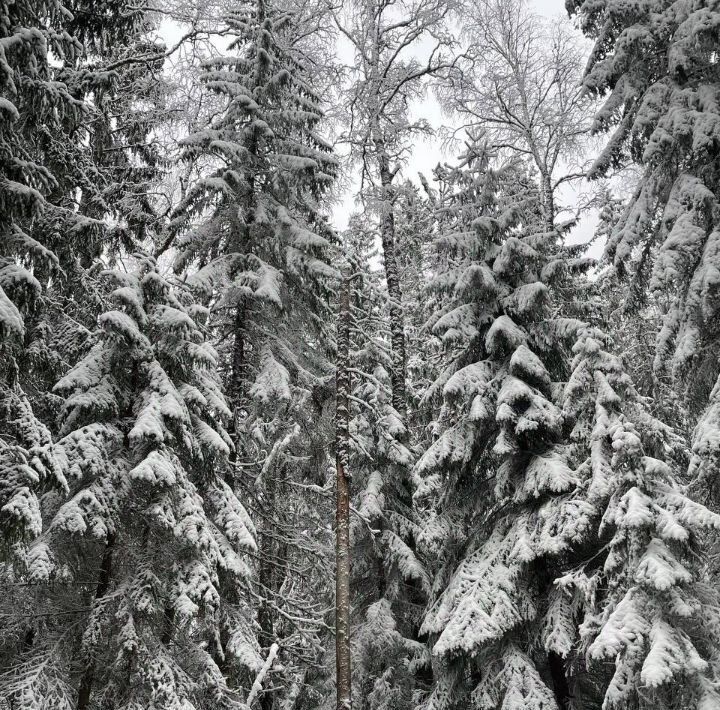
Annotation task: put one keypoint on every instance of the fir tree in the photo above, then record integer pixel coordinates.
(266, 246)
(68, 103)
(644, 602)
(108, 170)
(116, 152)
(147, 536)
(258, 246)
(389, 583)
(415, 230)
(506, 507)
(31, 102)
(657, 64)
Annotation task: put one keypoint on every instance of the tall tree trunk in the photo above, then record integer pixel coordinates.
(561, 689)
(238, 355)
(555, 662)
(548, 202)
(342, 516)
(267, 629)
(266, 575)
(397, 320)
(168, 623)
(86, 682)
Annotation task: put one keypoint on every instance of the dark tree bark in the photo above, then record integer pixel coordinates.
(397, 319)
(555, 663)
(238, 355)
(86, 682)
(168, 623)
(561, 689)
(342, 517)
(271, 571)
(548, 202)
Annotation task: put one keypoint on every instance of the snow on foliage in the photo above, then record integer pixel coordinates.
(498, 462)
(387, 572)
(142, 457)
(522, 529)
(649, 618)
(656, 65)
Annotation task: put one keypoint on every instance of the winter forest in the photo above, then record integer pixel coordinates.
(359, 354)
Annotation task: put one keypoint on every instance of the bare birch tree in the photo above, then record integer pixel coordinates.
(397, 46)
(517, 82)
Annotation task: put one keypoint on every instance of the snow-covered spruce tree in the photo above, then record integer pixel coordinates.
(633, 320)
(390, 585)
(62, 107)
(642, 594)
(705, 461)
(30, 102)
(121, 600)
(116, 158)
(26, 464)
(657, 65)
(108, 163)
(415, 228)
(266, 245)
(256, 241)
(496, 487)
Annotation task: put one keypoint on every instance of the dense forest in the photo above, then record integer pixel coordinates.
(286, 424)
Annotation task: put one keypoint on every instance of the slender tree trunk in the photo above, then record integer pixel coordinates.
(342, 517)
(86, 682)
(561, 689)
(168, 623)
(267, 628)
(397, 320)
(548, 200)
(266, 578)
(238, 355)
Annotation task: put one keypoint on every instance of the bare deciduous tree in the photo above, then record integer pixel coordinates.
(398, 45)
(517, 81)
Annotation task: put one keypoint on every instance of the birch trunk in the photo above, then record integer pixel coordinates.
(548, 199)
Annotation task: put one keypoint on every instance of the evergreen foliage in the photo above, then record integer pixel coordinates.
(391, 584)
(646, 605)
(257, 245)
(524, 450)
(31, 101)
(144, 532)
(657, 64)
(506, 505)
